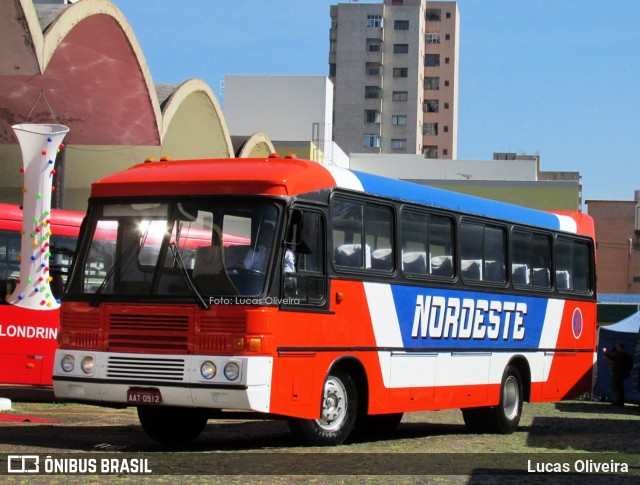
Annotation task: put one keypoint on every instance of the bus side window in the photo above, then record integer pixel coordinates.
(441, 246)
(413, 242)
(62, 250)
(494, 254)
(426, 243)
(573, 266)
(530, 259)
(541, 263)
(483, 252)
(521, 258)
(358, 225)
(581, 267)
(304, 279)
(311, 262)
(9, 262)
(377, 223)
(471, 251)
(563, 265)
(347, 234)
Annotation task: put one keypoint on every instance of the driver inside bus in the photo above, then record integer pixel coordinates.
(257, 257)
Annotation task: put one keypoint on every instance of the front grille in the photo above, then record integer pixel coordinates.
(147, 368)
(161, 333)
(217, 332)
(223, 324)
(86, 339)
(81, 327)
(72, 319)
(80, 320)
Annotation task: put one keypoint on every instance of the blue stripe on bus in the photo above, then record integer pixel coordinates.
(433, 318)
(445, 199)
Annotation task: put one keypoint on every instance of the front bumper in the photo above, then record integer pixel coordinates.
(177, 377)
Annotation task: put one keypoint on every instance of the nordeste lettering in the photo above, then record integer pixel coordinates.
(437, 317)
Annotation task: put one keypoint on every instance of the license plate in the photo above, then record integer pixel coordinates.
(149, 397)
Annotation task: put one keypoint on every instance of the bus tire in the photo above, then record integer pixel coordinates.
(503, 418)
(338, 411)
(170, 425)
(506, 415)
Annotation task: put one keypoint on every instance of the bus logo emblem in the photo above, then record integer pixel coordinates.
(576, 323)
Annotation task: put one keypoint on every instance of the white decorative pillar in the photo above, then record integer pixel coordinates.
(40, 143)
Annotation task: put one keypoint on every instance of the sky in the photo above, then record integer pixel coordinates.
(558, 78)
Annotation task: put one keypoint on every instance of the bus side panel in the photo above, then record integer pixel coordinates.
(554, 338)
(310, 343)
(569, 373)
(27, 345)
(370, 325)
(293, 384)
(28, 337)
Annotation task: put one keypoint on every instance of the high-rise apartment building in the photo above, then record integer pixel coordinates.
(395, 70)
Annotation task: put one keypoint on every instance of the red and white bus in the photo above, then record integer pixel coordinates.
(28, 337)
(376, 297)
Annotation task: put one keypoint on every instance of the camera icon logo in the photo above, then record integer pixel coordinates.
(23, 464)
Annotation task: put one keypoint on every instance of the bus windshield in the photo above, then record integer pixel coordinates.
(183, 249)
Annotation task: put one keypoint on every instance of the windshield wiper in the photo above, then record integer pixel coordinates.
(185, 275)
(127, 252)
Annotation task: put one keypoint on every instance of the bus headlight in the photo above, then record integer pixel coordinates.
(87, 364)
(67, 363)
(232, 371)
(208, 370)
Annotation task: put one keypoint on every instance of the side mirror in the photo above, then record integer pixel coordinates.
(302, 231)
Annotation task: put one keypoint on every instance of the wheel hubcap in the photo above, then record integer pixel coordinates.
(334, 405)
(511, 398)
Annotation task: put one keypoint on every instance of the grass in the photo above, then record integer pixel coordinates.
(557, 430)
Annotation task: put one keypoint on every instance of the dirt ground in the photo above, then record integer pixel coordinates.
(430, 447)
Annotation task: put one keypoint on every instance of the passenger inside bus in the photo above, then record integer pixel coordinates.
(289, 267)
(290, 258)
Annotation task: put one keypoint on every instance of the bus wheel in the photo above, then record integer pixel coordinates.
(172, 426)
(338, 410)
(506, 415)
(503, 418)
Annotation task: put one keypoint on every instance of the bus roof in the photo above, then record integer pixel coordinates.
(265, 176)
(287, 177)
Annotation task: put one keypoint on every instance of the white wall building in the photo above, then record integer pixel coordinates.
(517, 180)
(415, 167)
(294, 111)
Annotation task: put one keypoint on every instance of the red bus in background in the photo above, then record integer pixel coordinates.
(28, 337)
